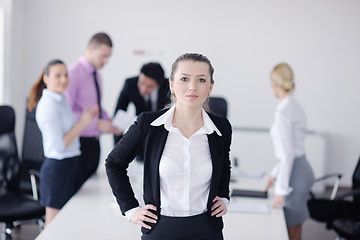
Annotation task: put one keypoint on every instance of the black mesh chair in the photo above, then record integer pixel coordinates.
(218, 106)
(348, 228)
(338, 211)
(348, 225)
(32, 152)
(15, 208)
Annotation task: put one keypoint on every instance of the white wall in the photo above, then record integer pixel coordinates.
(14, 85)
(2, 28)
(243, 39)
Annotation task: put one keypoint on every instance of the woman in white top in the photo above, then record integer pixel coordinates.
(60, 132)
(292, 175)
(186, 161)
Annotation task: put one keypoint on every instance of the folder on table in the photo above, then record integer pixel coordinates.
(249, 193)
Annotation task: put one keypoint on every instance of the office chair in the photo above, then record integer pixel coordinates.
(218, 106)
(331, 210)
(32, 153)
(348, 226)
(15, 208)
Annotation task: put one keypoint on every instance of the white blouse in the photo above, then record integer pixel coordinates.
(185, 169)
(55, 118)
(288, 134)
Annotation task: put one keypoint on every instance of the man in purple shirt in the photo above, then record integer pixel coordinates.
(84, 90)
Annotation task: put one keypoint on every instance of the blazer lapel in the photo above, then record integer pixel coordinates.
(157, 140)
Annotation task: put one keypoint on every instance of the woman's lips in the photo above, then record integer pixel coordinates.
(191, 96)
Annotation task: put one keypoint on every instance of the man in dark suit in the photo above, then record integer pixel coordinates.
(148, 92)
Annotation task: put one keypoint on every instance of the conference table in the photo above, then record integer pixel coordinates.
(92, 213)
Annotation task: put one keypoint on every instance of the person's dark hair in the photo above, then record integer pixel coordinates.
(100, 38)
(155, 71)
(196, 57)
(36, 90)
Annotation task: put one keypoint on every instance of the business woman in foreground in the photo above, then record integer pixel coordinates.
(186, 160)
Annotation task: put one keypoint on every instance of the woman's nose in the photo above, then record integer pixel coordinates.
(64, 79)
(192, 87)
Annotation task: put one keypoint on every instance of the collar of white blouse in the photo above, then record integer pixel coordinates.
(166, 120)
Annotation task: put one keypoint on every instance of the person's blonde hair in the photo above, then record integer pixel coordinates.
(283, 76)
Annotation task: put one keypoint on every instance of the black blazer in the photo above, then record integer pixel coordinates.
(141, 136)
(130, 93)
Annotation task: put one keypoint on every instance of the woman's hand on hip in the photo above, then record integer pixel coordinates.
(218, 208)
(143, 214)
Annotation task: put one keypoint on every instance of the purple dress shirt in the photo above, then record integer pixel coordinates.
(81, 92)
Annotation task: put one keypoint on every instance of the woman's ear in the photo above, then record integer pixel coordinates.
(171, 85)
(211, 87)
(45, 79)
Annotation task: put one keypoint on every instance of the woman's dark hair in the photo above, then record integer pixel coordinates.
(39, 85)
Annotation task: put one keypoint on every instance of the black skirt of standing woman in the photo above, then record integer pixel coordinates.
(58, 179)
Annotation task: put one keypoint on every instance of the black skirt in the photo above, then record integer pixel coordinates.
(196, 227)
(58, 181)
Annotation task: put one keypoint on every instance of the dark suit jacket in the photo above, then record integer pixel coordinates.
(130, 93)
(141, 136)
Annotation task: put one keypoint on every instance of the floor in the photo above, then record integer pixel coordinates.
(313, 230)
(27, 231)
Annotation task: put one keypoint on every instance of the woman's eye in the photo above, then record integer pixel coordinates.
(202, 80)
(183, 79)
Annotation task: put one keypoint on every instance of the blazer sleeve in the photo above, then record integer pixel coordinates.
(225, 181)
(117, 163)
(123, 100)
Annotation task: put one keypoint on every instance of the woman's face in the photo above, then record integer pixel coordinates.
(57, 80)
(275, 88)
(192, 83)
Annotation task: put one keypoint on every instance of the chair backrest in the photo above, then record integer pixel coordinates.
(10, 166)
(218, 106)
(356, 180)
(32, 146)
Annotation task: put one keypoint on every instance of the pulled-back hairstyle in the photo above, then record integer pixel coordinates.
(196, 57)
(100, 38)
(36, 90)
(283, 76)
